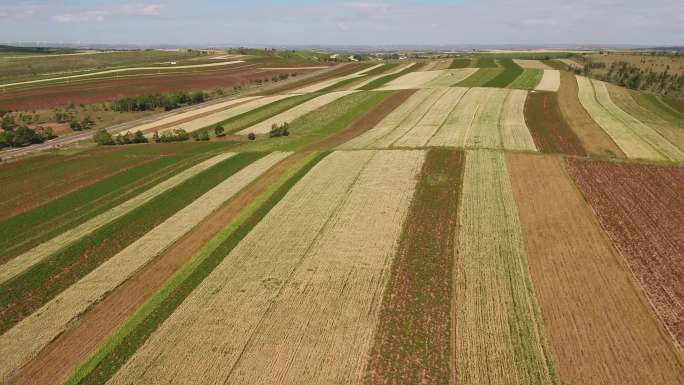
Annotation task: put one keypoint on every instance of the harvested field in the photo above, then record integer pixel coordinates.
(412, 80)
(449, 78)
(590, 134)
(528, 80)
(27, 338)
(550, 131)
(437, 65)
(20, 263)
(370, 79)
(532, 64)
(75, 345)
(500, 336)
(272, 338)
(432, 120)
(635, 138)
(330, 82)
(460, 63)
(413, 340)
(480, 78)
(641, 207)
(223, 115)
(129, 337)
(600, 329)
(382, 80)
(290, 115)
(550, 81)
(486, 118)
(511, 71)
(623, 98)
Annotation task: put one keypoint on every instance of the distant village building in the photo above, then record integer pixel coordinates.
(334, 57)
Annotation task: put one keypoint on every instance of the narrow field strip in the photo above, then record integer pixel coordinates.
(449, 78)
(331, 82)
(24, 340)
(511, 71)
(514, 131)
(485, 63)
(480, 78)
(381, 81)
(550, 81)
(295, 112)
(532, 64)
(633, 137)
(389, 123)
(600, 329)
(659, 107)
(248, 208)
(239, 291)
(460, 63)
(528, 80)
(437, 65)
(455, 129)
(412, 344)
(27, 230)
(592, 137)
(550, 131)
(485, 130)
(641, 207)
(623, 99)
(22, 262)
(192, 114)
(432, 120)
(572, 64)
(412, 80)
(500, 333)
(398, 69)
(646, 133)
(223, 115)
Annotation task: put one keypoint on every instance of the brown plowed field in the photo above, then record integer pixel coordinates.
(62, 355)
(107, 90)
(641, 207)
(549, 131)
(590, 134)
(413, 340)
(364, 123)
(601, 329)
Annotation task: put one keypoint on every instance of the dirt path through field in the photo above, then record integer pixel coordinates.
(601, 330)
(72, 347)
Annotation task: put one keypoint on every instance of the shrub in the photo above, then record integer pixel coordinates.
(279, 130)
(103, 137)
(251, 136)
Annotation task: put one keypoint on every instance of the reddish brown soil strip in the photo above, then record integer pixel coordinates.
(413, 340)
(549, 130)
(590, 134)
(107, 90)
(364, 123)
(72, 347)
(641, 207)
(601, 328)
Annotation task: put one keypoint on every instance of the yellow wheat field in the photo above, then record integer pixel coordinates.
(414, 79)
(316, 251)
(516, 135)
(550, 81)
(24, 340)
(295, 112)
(374, 77)
(330, 82)
(532, 64)
(22, 262)
(450, 77)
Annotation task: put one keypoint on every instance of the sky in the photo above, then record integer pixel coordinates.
(365, 22)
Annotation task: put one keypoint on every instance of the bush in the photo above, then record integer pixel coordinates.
(219, 131)
(279, 130)
(177, 135)
(20, 137)
(103, 137)
(153, 101)
(200, 135)
(251, 136)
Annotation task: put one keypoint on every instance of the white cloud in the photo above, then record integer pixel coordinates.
(137, 9)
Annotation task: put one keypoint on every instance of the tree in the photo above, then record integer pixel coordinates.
(103, 137)
(155, 137)
(251, 136)
(87, 123)
(139, 137)
(8, 123)
(219, 131)
(45, 133)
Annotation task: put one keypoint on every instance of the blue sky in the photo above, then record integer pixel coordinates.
(364, 22)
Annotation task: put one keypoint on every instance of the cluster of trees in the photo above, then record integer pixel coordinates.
(631, 76)
(153, 101)
(279, 130)
(177, 135)
(19, 135)
(104, 138)
(67, 117)
(275, 78)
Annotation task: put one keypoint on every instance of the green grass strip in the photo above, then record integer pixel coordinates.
(379, 82)
(510, 73)
(29, 229)
(480, 78)
(257, 115)
(486, 63)
(126, 340)
(528, 79)
(30, 290)
(653, 103)
(460, 63)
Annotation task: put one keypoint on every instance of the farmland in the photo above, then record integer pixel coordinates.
(452, 218)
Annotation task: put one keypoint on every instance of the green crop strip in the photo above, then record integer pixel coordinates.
(27, 230)
(510, 73)
(121, 345)
(460, 63)
(387, 78)
(257, 115)
(28, 291)
(653, 103)
(486, 63)
(528, 79)
(480, 78)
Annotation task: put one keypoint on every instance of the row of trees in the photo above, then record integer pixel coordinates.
(19, 135)
(104, 138)
(153, 101)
